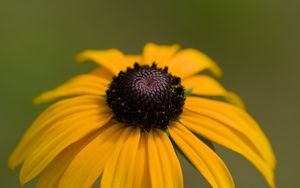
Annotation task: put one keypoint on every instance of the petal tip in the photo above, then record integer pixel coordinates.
(42, 98)
(37, 100)
(81, 56)
(22, 179)
(236, 100)
(11, 163)
(217, 71)
(13, 160)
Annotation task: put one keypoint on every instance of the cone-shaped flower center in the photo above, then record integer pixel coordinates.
(146, 96)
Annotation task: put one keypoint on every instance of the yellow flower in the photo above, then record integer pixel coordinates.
(121, 122)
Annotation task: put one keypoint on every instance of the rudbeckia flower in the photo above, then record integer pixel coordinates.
(125, 122)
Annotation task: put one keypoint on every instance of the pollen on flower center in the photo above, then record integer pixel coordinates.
(146, 96)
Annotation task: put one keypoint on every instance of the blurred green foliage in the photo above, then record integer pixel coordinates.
(255, 42)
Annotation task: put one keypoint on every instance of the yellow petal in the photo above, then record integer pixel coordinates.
(58, 137)
(202, 157)
(142, 176)
(86, 84)
(165, 170)
(124, 174)
(111, 59)
(131, 59)
(88, 165)
(204, 85)
(55, 113)
(155, 163)
(169, 158)
(103, 73)
(207, 86)
(234, 99)
(219, 133)
(190, 61)
(160, 54)
(51, 176)
(236, 119)
(114, 174)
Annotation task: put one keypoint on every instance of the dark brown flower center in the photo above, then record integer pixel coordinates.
(146, 96)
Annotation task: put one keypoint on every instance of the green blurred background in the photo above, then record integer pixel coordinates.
(255, 42)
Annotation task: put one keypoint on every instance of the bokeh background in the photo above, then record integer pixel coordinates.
(255, 42)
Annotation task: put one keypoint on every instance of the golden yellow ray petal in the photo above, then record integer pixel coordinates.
(204, 85)
(58, 137)
(190, 61)
(85, 84)
(165, 170)
(124, 174)
(155, 163)
(51, 176)
(89, 163)
(103, 73)
(54, 114)
(160, 54)
(112, 59)
(170, 163)
(202, 157)
(238, 120)
(207, 86)
(234, 99)
(142, 176)
(129, 135)
(131, 59)
(106, 74)
(223, 135)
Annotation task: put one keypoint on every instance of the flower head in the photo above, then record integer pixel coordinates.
(122, 120)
